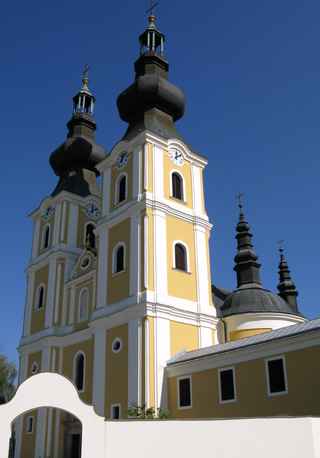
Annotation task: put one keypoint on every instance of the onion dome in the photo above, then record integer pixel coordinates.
(76, 159)
(151, 102)
(286, 286)
(250, 296)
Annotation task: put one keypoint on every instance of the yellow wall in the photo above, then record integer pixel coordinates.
(303, 396)
(181, 284)
(116, 371)
(235, 335)
(183, 337)
(202, 193)
(150, 287)
(185, 171)
(38, 315)
(88, 283)
(42, 225)
(118, 284)
(29, 440)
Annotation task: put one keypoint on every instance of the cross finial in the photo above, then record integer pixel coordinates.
(85, 79)
(152, 18)
(280, 243)
(239, 197)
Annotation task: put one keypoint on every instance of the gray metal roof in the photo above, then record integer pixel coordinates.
(278, 334)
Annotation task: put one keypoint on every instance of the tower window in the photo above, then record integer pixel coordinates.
(120, 256)
(276, 376)
(45, 237)
(30, 425)
(115, 411)
(227, 390)
(79, 372)
(122, 189)
(180, 257)
(40, 297)
(83, 305)
(90, 237)
(184, 392)
(177, 183)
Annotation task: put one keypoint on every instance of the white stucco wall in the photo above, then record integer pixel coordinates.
(243, 438)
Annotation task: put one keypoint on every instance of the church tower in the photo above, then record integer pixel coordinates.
(119, 279)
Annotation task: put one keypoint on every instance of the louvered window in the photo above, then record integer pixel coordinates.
(79, 372)
(120, 259)
(122, 189)
(177, 186)
(46, 237)
(180, 257)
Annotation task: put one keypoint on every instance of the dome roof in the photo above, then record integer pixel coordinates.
(252, 298)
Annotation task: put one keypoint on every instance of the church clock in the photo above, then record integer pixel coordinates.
(92, 211)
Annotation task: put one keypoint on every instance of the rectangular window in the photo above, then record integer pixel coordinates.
(29, 425)
(184, 393)
(115, 411)
(276, 376)
(227, 385)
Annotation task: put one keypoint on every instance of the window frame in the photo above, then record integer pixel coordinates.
(117, 200)
(183, 186)
(46, 228)
(42, 285)
(112, 411)
(79, 305)
(184, 377)
(187, 257)
(234, 399)
(75, 360)
(114, 258)
(274, 358)
(30, 417)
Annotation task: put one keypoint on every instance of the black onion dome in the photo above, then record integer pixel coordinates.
(253, 299)
(151, 102)
(76, 159)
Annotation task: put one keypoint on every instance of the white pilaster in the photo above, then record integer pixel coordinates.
(41, 433)
(147, 362)
(158, 172)
(161, 356)
(35, 240)
(99, 371)
(56, 228)
(63, 221)
(23, 368)
(102, 268)
(135, 254)
(160, 252)
(72, 304)
(50, 294)
(136, 171)
(196, 189)
(29, 305)
(106, 183)
(57, 299)
(146, 166)
(73, 224)
(135, 361)
(201, 268)
(146, 251)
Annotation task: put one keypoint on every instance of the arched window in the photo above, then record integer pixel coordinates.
(40, 297)
(45, 237)
(83, 305)
(180, 257)
(122, 189)
(78, 371)
(177, 186)
(119, 258)
(90, 237)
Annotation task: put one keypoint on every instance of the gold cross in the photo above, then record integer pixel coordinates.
(85, 79)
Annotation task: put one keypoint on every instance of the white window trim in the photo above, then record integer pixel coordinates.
(178, 172)
(80, 352)
(112, 406)
(37, 296)
(43, 236)
(115, 340)
(114, 258)
(234, 385)
(34, 364)
(117, 190)
(79, 304)
(178, 388)
(180, 242)
(278, 393)
(30, 432)
(85, 232)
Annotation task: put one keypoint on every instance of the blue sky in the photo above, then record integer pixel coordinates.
(250, 71)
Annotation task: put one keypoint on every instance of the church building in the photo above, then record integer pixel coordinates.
(119, 291)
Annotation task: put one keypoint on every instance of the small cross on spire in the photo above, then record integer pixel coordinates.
(239, 197)
(152, 18)
(85, 79)
(280, 243)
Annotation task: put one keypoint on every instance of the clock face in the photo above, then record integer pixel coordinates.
(92, 211)
(122, 159)
(176, 157)
(47, 213)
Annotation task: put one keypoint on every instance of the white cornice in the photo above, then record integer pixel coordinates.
(69, 252)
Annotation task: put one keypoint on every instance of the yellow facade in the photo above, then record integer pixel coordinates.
(185, 171)
(183, 337)
(235, 335)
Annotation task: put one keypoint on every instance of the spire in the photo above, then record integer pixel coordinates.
(286, 286)
(75, 160)
(246, 267)
(151, 102)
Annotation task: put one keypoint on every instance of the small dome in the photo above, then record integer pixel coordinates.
(254, 299)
